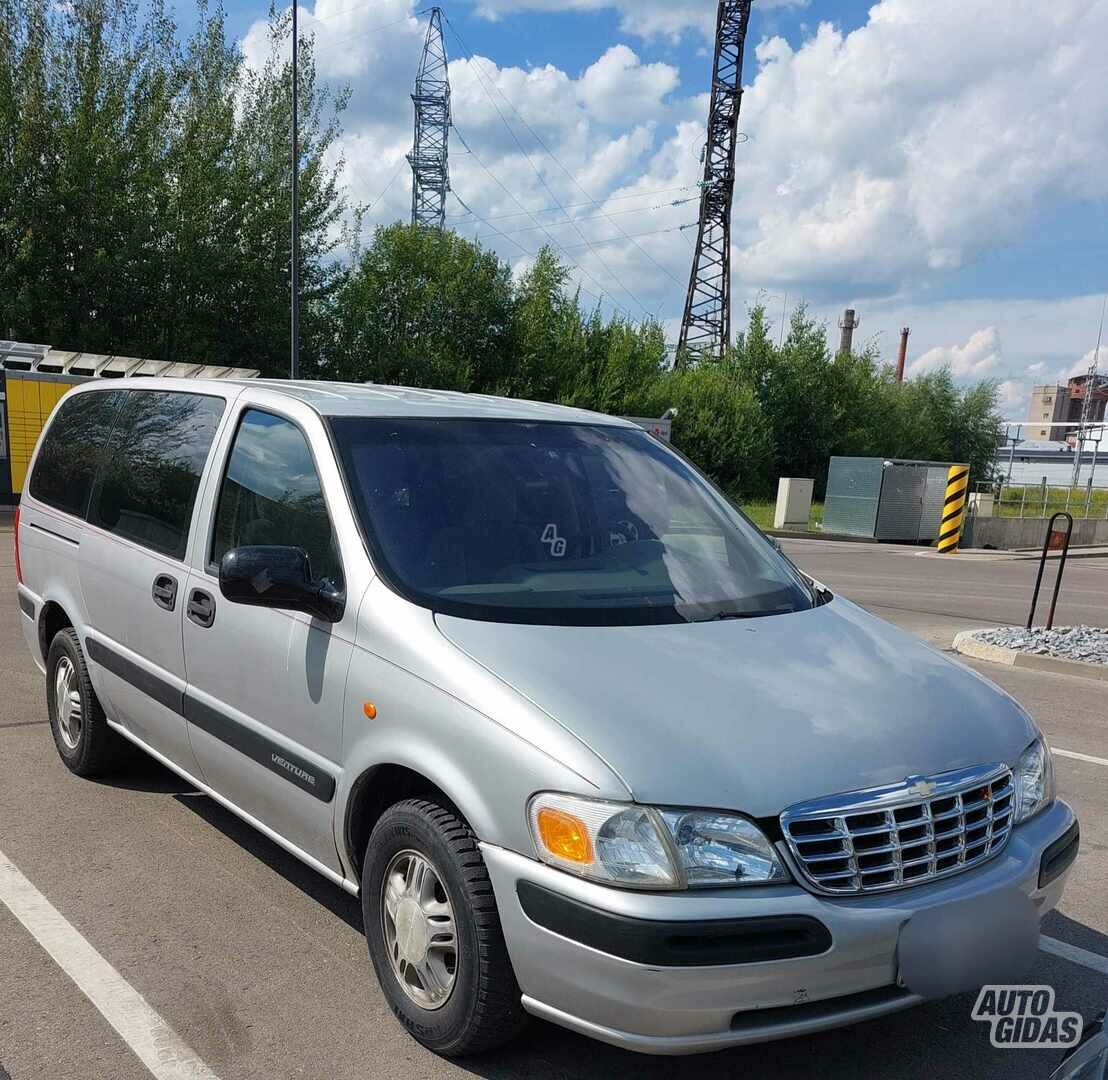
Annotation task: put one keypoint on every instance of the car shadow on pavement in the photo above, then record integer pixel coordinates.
(307, 880)
(140, 772)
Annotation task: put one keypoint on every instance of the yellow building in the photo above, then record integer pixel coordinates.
(34, 378)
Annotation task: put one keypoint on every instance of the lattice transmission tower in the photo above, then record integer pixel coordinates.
(428, 157)
(706, 325)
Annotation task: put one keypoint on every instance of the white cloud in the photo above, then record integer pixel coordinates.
(981, 354)
(618, 88)
(1012, 397)
(1082, 365)
(353, 41)
(877, 160)
(880, 157)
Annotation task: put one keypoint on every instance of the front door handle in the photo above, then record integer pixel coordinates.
(164, 591)
(201, 608)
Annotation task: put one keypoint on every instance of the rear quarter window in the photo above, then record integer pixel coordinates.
(152, 467)
(72, 450)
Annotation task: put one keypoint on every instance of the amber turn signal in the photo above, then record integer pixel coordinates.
(370, 710)
(564, 835)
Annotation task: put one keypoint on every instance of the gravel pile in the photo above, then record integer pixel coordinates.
(1088, 643)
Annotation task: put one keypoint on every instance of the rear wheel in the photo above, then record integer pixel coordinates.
(85, 742)
(434, 933)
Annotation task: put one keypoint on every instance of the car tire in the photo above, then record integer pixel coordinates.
(85, 742)
(480, 1009)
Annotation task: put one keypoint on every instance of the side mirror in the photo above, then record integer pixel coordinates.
(278, 577)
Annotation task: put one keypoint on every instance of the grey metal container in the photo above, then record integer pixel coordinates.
(884, 498)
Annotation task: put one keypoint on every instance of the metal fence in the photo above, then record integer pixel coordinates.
(1042, 499)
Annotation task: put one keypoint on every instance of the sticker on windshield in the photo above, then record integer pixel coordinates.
(557, 543)
(1023, 1017)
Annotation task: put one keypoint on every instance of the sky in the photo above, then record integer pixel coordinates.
(942, 166)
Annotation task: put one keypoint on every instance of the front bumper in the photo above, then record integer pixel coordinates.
(681, 1008)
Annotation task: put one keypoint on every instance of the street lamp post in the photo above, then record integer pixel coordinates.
(294, 364)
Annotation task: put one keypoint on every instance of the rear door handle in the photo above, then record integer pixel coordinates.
(201, 608)
(164, 591)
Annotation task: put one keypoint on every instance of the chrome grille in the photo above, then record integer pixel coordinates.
(888, 838)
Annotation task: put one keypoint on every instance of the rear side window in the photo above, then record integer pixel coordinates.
(152, 468)
(272, 495)
(72, 450)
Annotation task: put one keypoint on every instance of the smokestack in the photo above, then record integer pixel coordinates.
(903, 354)
(849, 322)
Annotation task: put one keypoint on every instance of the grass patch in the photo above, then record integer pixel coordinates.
(761, 511)
(1030, 498)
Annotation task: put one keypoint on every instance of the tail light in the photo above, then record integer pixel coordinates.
(18, 568)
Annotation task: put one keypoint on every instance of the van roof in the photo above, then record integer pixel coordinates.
(358, 399)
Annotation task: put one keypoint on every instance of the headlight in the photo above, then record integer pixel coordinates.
(649, 848)
(1034, 780)
(722, 849)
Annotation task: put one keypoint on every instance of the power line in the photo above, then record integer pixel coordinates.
(538, 138)
(537, 171)
(392, 180)
(637, 236)
(531, 254)
(591, 202)
(554, 243)
(598, 217)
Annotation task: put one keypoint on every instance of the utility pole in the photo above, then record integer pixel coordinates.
(1091, 381)
(848, 325)
(294, 360)
(706, 324)
(429, 157)
(902, 356)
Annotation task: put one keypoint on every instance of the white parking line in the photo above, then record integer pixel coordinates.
(1079, 757)
(1071, 952)
(155, 1043)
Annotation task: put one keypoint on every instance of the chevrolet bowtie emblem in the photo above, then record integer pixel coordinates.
(922, 788)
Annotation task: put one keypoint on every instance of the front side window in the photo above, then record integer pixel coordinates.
(556, 523)
(152, 467)
(271, 494)
(72, 449)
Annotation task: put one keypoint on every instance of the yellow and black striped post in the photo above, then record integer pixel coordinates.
(954, 508)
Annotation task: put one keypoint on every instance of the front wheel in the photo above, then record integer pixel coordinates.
(434, 932)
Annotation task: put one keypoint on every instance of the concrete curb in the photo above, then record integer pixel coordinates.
(995, 555)
(966, 644)
(790, 534)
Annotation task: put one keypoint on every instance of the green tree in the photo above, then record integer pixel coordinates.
(720, 426)
(624, 362)
(262, 180)
(144, 187)
(424, 308)
(549, 341)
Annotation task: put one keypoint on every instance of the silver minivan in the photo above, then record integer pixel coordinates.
(585, 743)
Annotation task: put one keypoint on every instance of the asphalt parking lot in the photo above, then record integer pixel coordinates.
(260, 966)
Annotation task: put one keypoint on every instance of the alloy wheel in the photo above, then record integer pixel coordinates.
(419, 928)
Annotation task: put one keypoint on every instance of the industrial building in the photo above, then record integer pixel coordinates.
(1054, 405)
(34, 378)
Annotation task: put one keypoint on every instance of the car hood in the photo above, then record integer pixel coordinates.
(754, 714)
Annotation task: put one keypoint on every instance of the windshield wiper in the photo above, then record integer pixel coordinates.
(720, 616)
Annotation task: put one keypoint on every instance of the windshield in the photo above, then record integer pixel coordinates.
(571, 524)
